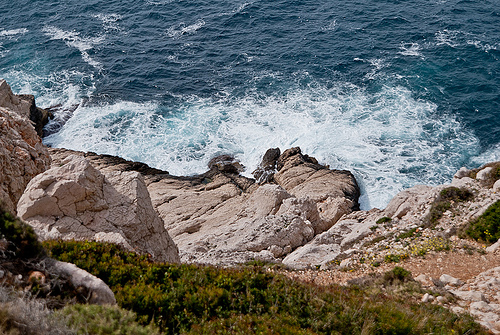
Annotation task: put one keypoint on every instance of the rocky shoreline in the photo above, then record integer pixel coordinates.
(296, 212)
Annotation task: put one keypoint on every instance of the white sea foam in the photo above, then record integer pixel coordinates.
(180, 29)
(376, 63)
(490, 155)
(448, 37)
(331, 26)
(110, 21)
(410, 49)
(73, 39)
(54, 89)
(388, 139)
(242, 7)
(486, 47)
(13, 32)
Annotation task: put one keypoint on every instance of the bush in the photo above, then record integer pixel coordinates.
(250, 324)
(21, 314)
(444, 202)
(409, 233)
(398, 273)
(384, 220)
(21, 239)
(201, 299)
(102, 320)
(486, 228)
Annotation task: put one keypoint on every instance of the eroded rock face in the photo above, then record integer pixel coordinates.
(22, 154)
(334, 192)
(267, 168)
(77, 201)
(224, 218)
(375, 234)
(24, 105)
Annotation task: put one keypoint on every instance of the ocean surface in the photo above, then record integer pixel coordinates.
(399, 92)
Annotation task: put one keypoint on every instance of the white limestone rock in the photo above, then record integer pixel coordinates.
(494, 247)
(463, 172)
(327, 246)
(469, 295)
(484, 174)
(22, 154)
(99, 292)
(408, 199)
(449, 280)
(496, 186)
(76, 201)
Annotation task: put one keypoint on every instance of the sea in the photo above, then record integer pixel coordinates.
(398, 92)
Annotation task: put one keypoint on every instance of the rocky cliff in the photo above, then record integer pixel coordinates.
(223, 218)
(22, 154)
(296, 211)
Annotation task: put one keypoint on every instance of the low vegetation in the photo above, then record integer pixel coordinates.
(207, 300)
(102, 320)
(158, 298)
(20, 239)
(445, 200)
(486, 228)
(22, 314)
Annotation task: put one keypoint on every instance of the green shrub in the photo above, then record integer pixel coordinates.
(182, 298)
(103, 320)
(398, 273)
(384, 220)
(250, 324)
(22, 240)
(444, 202)
(486, 228)
(409, 233)
(455, 194)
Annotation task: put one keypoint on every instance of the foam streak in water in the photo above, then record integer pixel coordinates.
(73, 39)
(181, 29)
(13, 32)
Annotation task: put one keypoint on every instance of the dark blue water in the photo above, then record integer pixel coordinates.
(399, 92)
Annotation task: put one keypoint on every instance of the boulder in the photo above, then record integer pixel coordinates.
(461, 173)
(267, 168)
(98, 292)
(496, 186)
(494, 247)
(77, 201)
(484, 174)
(22, 154)
(225, 163)
(326, 247)
(408, 199)
(449, 280)
(335, 192)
